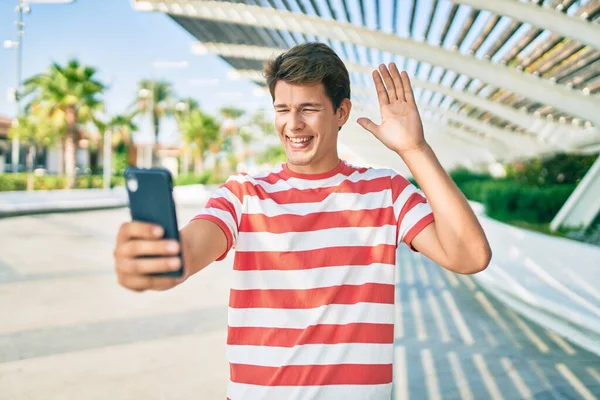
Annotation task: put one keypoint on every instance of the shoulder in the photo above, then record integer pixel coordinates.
(245, 183)
(371, 172)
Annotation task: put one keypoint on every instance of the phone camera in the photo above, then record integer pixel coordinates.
(132, 183)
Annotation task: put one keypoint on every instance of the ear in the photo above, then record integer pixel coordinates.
(343, 112)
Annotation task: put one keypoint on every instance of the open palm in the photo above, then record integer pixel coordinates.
(401, 128)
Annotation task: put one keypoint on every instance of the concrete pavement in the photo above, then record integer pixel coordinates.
(68, 331)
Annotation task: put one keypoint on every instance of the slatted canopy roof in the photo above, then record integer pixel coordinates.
(511, 78)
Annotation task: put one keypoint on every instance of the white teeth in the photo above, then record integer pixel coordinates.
(300, 140)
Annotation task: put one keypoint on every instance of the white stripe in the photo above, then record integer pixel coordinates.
(462, 383)
(411, 218)
(225, 217)
(431, 378)
(302, 318)
(488, 378)
(514, 376)
(236, 391)
(313, 278)
(226, 194)
(418, 315)
(333, 202)
(303, 184)
(403, 198)
(299, 241)
(462, 327)
(437, 316)
(312, 354)
(575, 382)
(400, 374)
(535, 339)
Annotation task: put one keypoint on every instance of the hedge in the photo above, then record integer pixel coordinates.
(10, 182)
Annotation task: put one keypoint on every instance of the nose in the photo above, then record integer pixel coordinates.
(296, 123)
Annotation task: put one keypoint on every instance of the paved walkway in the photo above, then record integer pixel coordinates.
(68, 331)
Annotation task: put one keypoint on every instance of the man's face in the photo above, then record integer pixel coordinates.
(306, 123)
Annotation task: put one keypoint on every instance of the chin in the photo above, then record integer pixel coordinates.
(300, 160)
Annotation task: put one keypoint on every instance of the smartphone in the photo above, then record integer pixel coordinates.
(150, 192)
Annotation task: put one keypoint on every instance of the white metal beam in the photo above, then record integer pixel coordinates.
(569, 138)
(536, 88)
(542, 17)
(519, 144)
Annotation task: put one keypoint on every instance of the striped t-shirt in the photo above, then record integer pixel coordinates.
(311, 308)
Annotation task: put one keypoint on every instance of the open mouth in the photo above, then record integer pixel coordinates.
(299, 142)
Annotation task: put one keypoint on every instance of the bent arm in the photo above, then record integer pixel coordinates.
(202, 243)
(455, 240)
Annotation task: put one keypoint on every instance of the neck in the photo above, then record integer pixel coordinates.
(319, 167)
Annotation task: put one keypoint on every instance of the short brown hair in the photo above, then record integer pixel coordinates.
(309, 63)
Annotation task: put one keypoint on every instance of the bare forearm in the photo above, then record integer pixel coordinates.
(457, 228)
(202, 243)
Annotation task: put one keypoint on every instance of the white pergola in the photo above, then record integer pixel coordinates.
(507, 79)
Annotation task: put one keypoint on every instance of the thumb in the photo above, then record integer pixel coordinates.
(368, 124)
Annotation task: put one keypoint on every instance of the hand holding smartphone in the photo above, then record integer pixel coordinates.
(151, 201)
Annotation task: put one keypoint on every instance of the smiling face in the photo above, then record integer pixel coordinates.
(308, 126)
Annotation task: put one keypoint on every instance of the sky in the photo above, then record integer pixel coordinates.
(125, 46)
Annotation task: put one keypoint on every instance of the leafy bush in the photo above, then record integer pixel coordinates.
(560, 168)
(512, 200)
(11, 182)
(208, 177)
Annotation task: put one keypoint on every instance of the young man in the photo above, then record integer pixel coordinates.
(311, 305)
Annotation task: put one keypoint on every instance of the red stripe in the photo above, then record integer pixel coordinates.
(399, 183)
(294, 195)
(309, 259)
(222, 204)
(281, 175)
(310, 298)
(314, 334)
(418, 227)
(411, 202)
(309, 375)
(316, 221)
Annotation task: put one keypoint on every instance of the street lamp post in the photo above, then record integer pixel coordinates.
(22, 8)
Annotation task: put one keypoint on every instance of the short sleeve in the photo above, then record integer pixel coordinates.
(411, 210)
(224, 208)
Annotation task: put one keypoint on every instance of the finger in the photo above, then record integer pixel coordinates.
(389, 83)
(382, 94)
(139, 230)
(408, 92)
(140, 283)
(144, 266)
(139, 248)
(368, 124)
(398, 82)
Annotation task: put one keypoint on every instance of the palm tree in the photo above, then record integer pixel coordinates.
(121, 128)
(155, 98)
(200, 133)
(68, 94)
(231, 129)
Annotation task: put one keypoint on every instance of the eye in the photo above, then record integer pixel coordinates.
(310, 110)
(280, 111)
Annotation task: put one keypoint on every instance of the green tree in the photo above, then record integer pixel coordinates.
(36, 131)
(69, 95)
(155, 98)
(201, 133)
(122, 128)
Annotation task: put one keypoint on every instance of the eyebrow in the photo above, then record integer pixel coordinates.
(301, 105)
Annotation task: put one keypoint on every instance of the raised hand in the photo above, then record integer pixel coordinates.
(401, 129)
